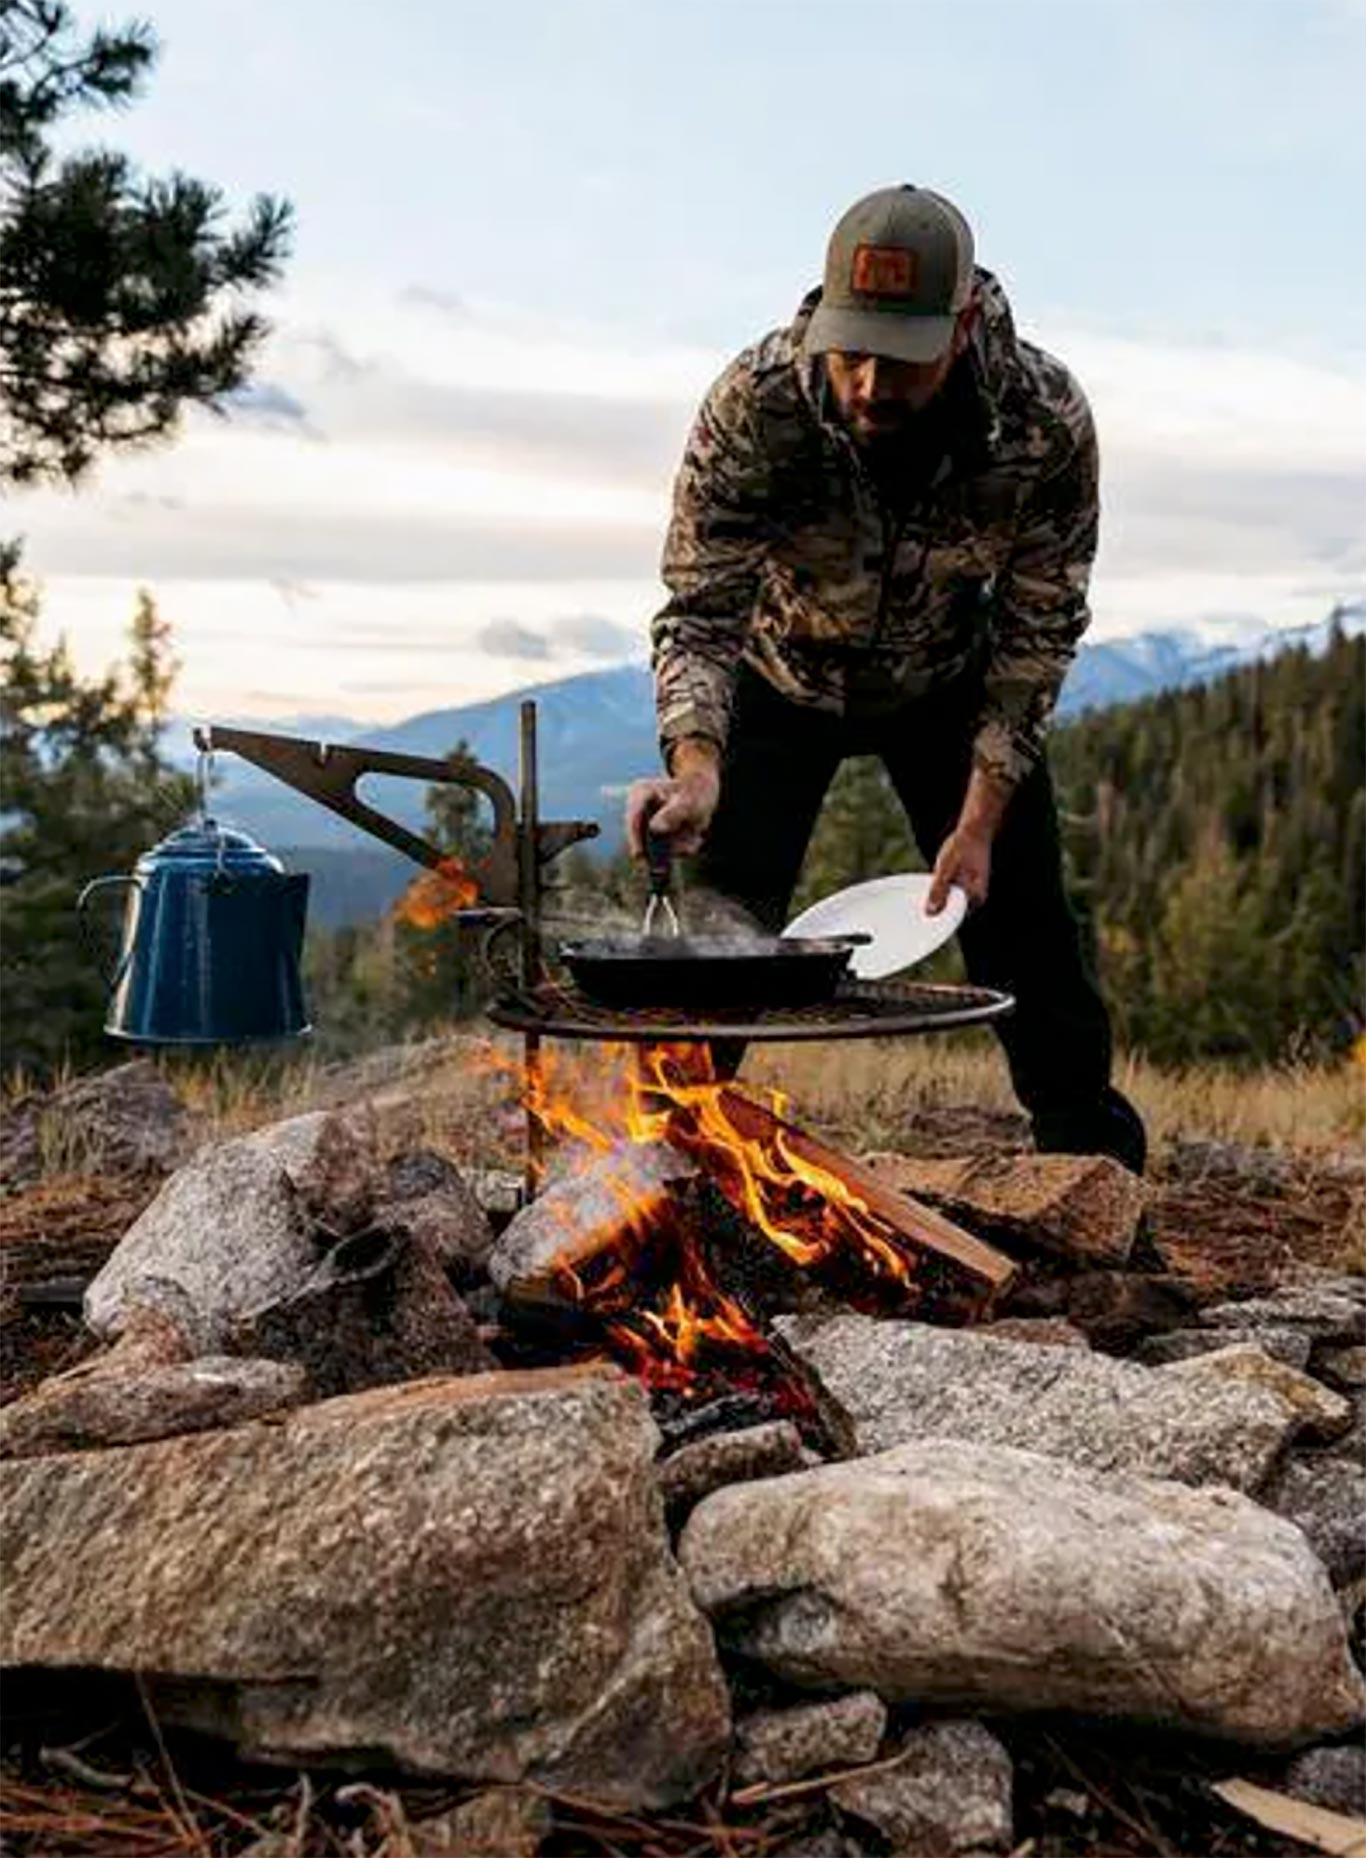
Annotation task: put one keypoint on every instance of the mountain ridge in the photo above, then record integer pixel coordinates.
(595, 733)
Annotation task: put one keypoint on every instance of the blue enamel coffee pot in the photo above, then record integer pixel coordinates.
(213, 928)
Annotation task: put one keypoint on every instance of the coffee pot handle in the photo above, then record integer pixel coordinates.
(114, 973)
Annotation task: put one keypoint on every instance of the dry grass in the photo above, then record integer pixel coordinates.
(866, 1088)
(876, 1089)
(455, 1091)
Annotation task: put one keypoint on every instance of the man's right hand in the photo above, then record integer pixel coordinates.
(677, 806)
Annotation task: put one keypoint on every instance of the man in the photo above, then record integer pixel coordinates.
(882, 535)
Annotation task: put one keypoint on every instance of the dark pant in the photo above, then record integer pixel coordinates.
(1024, 939)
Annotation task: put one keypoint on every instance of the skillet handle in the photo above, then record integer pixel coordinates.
(659, 854)
(659, 859)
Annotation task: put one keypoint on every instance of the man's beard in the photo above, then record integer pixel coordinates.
(886, 424)
(900, 430)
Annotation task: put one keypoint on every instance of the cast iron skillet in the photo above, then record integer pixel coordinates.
(707, 971)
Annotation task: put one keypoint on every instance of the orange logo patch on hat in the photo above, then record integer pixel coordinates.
(883, 270)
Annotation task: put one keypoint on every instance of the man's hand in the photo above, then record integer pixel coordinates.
(964, 859)
(965, 856)
(677, 806)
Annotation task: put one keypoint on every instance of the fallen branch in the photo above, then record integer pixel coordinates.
(66, 1761)
(182, 1815)
(759, 1795)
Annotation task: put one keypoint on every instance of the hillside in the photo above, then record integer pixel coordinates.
(1214, 838)
(596, 734)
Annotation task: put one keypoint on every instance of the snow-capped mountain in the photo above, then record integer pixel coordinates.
(596, 733)
(1123, 670)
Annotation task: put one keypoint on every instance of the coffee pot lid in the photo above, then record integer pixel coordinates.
(207, 844)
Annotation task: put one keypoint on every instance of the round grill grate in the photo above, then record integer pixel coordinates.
(859, 1010)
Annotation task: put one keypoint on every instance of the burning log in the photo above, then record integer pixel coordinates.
(577, 1243)
(742, 1142)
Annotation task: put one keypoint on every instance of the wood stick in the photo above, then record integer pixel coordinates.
(761, 1793)
(914, 1221)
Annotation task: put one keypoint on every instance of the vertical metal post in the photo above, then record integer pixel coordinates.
(529, 885)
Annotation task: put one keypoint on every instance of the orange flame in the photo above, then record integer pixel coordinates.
(638, 1098)
(435, 896)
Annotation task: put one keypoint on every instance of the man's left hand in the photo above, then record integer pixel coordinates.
(964, 859)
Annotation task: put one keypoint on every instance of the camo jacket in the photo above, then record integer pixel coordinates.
(784, 553)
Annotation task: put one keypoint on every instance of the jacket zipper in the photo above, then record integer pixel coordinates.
(892, 527)
(892, 532)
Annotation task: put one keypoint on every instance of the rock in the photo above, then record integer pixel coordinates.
(124, 1121)
(1114, 1308)
(1077, 1206)
(151, 1340)
(426, 1197)
(1288, 1345)
(695, 1470)
(901, 1381)
(505, 1822)
(467, 1578)
(827, 1843)
(1004, 1581)
(1334, 1778)
(1352, 1444)
(1326, 1498)
(1254, 1167)
(342, 1178)
(1326, 1312)
(378, 1309)
(599, 1211)
(226, 1235)
(95, 1405)
(1344, 1368)
(1043, 1331)
(1322, 1413)
(1068, 1800)
(413, 1175)
(949, 1792)
(784, 1745)
(499, 1192)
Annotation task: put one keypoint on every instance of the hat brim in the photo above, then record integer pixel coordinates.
(878, 332)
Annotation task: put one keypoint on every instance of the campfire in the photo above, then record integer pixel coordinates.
(672, 1212)
(679, 1213)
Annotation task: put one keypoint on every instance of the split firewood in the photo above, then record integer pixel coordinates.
(988, 1272)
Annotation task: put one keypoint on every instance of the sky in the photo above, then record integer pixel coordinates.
(529, 236)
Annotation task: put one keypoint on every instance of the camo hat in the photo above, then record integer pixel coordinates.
(897, 270)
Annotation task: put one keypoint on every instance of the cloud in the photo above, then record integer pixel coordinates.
(447, 302)
(292, 592)
(136, 501)
(600, 437)
(266, 403)
(577, 635)
(537, 470)
(224, 542)
(509, 638)
(597, 637)
(1161, 515)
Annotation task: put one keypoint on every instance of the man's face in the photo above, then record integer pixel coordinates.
(879, 398)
